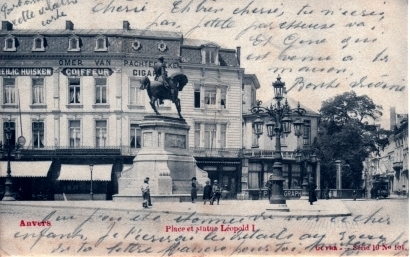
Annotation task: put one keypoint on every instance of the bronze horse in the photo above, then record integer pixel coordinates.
(157, 91)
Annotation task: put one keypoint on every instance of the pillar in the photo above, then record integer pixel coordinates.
(338, 174)
(318, 175)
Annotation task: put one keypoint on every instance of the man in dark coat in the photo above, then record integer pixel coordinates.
(193, 190)
(149, 194)
(312, 193)
(207, 192)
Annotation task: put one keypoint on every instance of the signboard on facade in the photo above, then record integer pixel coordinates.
(26, 71)
(80, 72)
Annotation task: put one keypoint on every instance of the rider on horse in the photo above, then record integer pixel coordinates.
(161, 76)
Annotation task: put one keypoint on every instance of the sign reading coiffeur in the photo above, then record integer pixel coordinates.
(79, 72)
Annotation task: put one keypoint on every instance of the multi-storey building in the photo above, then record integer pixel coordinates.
(75, 95)
(390, 164)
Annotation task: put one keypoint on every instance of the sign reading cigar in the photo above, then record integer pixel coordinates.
(79, 72)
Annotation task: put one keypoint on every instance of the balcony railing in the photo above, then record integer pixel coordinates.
(215, 152)
(260, 153)
(131, 151)
(397, 165)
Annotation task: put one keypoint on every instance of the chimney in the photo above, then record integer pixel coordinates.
(6, 25)
(69, 25)
(392, 118)
(238, 54)
(126, 25)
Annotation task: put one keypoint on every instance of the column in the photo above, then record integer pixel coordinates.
(244, 178)
(338, 174)
(318, 175)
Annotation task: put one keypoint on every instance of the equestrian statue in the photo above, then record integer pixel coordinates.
(164, 87)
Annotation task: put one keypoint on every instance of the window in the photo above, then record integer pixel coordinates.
(197, 96)
(136, 94)
(306, 132)
(38, 134)
(223, 97)
(75, 133)
(210, 136)
(9, 90)
(9, 43)
(223, 135)
(210, 55)
(197, 136)
(253, 175)
(100, 44)
(135, 136)
(38, 90)
(74, 90)
(100, 133)
(74, 43)
(12, 126)
(100, 90)
(210, 96)
(255, 140)
(38, 43)
(283, 139)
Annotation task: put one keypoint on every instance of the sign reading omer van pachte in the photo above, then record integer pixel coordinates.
(96, 72)
(26, 71)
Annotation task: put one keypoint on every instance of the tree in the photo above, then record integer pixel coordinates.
(348, 135)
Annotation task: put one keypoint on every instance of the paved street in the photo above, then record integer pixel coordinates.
(375, 227)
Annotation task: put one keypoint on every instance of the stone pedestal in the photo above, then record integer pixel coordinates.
(164, 158)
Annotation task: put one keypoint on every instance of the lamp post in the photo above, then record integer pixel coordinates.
(279, 124)
(303, 157)
(10, 149)
(91, 188)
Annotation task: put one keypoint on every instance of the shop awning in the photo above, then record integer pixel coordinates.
(83, 173)
(25, 169)
(219, 162)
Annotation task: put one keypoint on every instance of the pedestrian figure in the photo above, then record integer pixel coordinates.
(145, 193)
(269, 186)
(193, 189)
(149, 194)
(327, 193)
(312, 193)
(232, 189)
(216, 192)
(207, 192)
(354, 195)
(399, 192)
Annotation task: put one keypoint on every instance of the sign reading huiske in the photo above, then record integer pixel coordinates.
(26, 71)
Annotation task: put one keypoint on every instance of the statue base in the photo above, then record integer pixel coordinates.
(164, 158)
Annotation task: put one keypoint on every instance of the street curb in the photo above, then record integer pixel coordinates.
(266, 212)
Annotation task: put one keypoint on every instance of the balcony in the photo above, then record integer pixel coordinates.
(397, 165)
(215, 152)
(260, 153)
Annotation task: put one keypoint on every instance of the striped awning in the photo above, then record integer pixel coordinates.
(219, 162)
(25, 169)
(83, 172)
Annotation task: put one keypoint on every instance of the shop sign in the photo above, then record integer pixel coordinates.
(79, 72)
(292, 192)
(26, 71)
(228, 168)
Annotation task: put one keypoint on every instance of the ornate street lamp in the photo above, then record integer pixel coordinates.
(10, 150)
(279, 124)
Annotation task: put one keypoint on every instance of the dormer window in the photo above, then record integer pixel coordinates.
(9, 44)
(100, 44)
(74, 44)
(38, 43)
(210, 54)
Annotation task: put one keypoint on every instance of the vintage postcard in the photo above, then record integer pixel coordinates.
(204, 128)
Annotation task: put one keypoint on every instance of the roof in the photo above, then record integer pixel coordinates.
(116, 32)
(200, 42)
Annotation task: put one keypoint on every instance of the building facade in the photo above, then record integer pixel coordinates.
(390, 165)
(75, 95)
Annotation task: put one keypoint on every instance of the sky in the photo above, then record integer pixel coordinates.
(319, 48)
